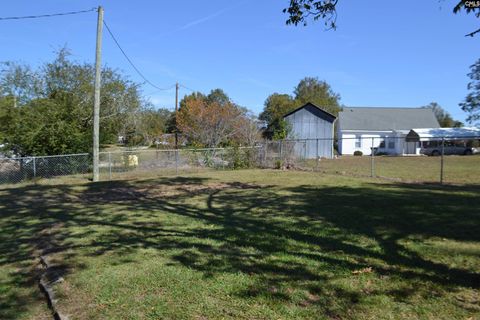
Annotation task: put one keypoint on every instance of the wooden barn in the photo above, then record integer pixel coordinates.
(313, 128)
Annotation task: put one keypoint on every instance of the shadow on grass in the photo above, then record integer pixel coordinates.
(316, 230)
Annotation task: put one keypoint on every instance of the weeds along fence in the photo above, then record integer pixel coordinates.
(130, 162)
(177, 161)
(436, 160)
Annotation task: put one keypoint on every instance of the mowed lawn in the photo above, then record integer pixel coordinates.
(457, 169)
(250, 244)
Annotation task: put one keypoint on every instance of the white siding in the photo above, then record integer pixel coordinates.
(348, 145)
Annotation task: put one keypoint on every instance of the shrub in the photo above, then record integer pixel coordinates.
(358, 153)
(278, 164)
(240, 158)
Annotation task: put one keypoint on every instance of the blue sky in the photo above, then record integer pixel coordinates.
(383, 53)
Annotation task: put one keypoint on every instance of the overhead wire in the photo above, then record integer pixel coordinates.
(130, 60)
(113, 37)
(185, 87)
(48, 15)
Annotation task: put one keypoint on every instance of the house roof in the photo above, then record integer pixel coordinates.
(429, 133)
(314, 109)
(386, 119)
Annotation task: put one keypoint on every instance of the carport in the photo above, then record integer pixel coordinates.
(437, 134)
(442, 138)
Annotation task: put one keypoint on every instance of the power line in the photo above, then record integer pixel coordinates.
(111, 34)
(185, 87)
(165, 89)
(49, 15)
(131, 62)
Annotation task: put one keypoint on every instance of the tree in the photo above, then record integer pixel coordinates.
(248, 133)
(300, 11)
(317, 92)
(444, 118)
(218, 96)
(276, 106)
(53, 106)
(152, 124)
(19, 82)
(209, 123)
(469, 7)
(471, 104)
(46, 127)
(8, 117)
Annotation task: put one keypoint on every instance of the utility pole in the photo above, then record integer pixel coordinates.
(96, 106)
(176, 115)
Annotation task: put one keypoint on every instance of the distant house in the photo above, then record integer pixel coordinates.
(384, 129)
(315, 127)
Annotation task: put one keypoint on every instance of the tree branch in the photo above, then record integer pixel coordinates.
(471, 34)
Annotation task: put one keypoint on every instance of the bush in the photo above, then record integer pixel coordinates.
(240, 158)
(278, 164)
(358, 153)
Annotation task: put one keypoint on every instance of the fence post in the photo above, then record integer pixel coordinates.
(176, 161)
(265, 150)
(305, 151)
(109, 166)
(441, 160)
(34, 167)
(281, 150)
(222, 160)
(372, 167)
(317, 159)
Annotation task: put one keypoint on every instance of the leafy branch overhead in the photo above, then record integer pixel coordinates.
(301, 11)
(469, 9)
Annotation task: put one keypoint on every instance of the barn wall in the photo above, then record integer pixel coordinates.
(310, 123)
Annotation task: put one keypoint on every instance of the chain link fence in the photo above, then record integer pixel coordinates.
(114, 164)
(15, 170)
(438, 160)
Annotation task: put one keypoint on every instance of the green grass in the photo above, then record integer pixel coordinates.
(253, 244)
(457, 169)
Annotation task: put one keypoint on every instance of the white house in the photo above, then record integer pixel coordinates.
(384, 129)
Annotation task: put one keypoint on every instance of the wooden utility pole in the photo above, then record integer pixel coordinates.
(176, 115)
(96, 106)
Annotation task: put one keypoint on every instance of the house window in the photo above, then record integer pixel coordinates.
(358, 141)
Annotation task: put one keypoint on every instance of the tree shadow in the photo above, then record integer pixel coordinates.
(291, 238)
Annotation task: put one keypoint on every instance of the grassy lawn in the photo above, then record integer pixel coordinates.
(457, 169)
(253, 244)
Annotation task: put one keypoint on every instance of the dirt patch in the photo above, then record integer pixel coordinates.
(155, 191)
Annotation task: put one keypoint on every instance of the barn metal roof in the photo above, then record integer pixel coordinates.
(315, 110)
(386, 119)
